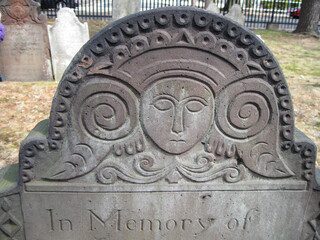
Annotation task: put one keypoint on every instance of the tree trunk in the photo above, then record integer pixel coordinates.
(309, 18)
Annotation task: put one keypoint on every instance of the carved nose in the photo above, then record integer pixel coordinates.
(177, 125)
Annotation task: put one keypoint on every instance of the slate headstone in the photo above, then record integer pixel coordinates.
(236, 14)
(169, 124)
(24, 53)
(66, 37)
(123, 8)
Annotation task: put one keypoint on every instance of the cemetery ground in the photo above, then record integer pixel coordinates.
(22, 105)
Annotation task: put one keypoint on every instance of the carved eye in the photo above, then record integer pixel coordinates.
(163, 104)
(195, 106)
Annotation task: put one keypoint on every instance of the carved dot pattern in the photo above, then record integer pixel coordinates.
(211, 29)
(233, 31)
(306, 151)
(27, 155)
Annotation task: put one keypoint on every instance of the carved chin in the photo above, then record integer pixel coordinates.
(176, 147)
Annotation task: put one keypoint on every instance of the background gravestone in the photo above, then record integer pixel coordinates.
(236, 14)
(66, 37)
(213, 8)
(169, 124)
(24, 53)
(122, 8)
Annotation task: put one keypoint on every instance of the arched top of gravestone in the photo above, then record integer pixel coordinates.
(173, 93)
(66, 16)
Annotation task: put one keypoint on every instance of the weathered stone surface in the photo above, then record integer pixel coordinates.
(24, 53)
(213, 8)
(66, 37)
(273, 26)
(170, 124)
(236, 14)
(123, 8)
(165, 215)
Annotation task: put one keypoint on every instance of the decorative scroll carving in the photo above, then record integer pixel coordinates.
(106, 112)
(245, 112)
(174, 96)
(21, 12)
(203, 170)
(265, 160)
(105, 116)
(226, 92)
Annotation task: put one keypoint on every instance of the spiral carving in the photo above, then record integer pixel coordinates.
(235, 174)
(107, 175)
(109, 115)
(146, 163)
(204, 159)
(105, 116)
(245, 110)
(143, 165)
(204, 163)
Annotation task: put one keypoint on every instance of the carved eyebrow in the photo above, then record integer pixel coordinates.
(191, 98)
(164, 96)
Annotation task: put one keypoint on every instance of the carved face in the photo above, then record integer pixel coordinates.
(177, 113)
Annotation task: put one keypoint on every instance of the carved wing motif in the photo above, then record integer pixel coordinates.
(103, 115)
(75, 162)
(247, 112)
(264, 160)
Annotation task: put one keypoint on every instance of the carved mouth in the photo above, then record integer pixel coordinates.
(178, 140)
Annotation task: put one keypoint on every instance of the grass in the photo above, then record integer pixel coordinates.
(23, 105)
(299, 58)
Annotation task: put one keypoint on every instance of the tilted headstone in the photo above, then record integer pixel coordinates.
(66, 37)
(123, 8)
(236, 14)
(169, 124)
(213, 8)
(24, 53)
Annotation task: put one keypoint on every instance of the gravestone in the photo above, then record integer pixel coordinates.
(123, 8)
(236, 14)
(213, 8)
(273, 26)
(66, 37)
(24, 53)
(169, 124)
